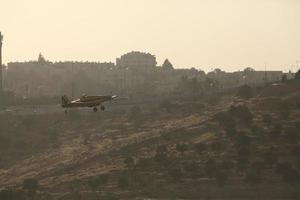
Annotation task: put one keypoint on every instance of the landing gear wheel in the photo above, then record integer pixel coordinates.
(102, 108)
(95, 109)
(66, 111)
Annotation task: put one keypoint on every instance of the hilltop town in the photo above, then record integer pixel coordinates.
(134, 74)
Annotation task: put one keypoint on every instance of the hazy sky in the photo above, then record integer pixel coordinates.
(231, 34)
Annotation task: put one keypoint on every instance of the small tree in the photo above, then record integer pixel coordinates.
(123, 181)
(129, 162)
(176, 173)
(291, 176)
(181, 148)
(284, 114)
(193, 168)
(297, 75)
(284, 78)
(267, 118)
(30, 184)
(98, 181)
(166, 105)
(245, 92)
(270, 158)
(258, 166)
(167, 65)
(297, 124)
(282, 167)
(242, 113)
(243, 158)
(276, 131)
(210, 167)
(291, 134)
(200, 147)
(217, 145)
(162, 149)
(161, 158)
(227, 165)
(221, 178)
(252, 178)
(227, 121)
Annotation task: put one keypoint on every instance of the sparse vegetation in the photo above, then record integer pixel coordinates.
(166, 105)
(30, 185)
(245, 92)
(123, 181)
(181, 148)
(243, 143)
(252, 178)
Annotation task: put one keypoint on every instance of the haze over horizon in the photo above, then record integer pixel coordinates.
(204, 34)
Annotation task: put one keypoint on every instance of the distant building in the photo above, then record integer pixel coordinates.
(136, 59)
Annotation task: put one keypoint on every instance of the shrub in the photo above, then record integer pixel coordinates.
(30, 184)
(135, 112)
(276, 131)
(175, 173)
(221, 178)
(162, 149)
(252, 178)
(217, 145)
(243, 157)
(100, 180)
(296, 151)
(210, 167)
(5, 141)
(284, 78)
(242, 140)
(181, 148)
(192, 167)
(214, 100)
(166, 105)
(242, 113)
(284, 114)
(297, 75)
(10, 194)
(270, 158)
(267, 118)
(297, 124)
(129, 162)
(161, 158)
(258, 166)
(123, 181)
(143, 163)
(245, 92)
(291, 134)
(227, 165)
(291, 176)
(282, 167)
(200, 147)
(226, 120)
(93, 184)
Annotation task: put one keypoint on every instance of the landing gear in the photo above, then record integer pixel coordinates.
(102, 108)
(95, 109)
(66, 111)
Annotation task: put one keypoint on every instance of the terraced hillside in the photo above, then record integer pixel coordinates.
(231, 148)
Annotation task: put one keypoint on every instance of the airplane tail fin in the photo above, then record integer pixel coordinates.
(65, 101)
(114, 96)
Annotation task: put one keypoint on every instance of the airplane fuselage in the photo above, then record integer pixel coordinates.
(86, 101)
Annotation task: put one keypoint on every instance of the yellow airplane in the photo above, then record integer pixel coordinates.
(86, 101)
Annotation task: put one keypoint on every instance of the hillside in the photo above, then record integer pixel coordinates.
(227, 148)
